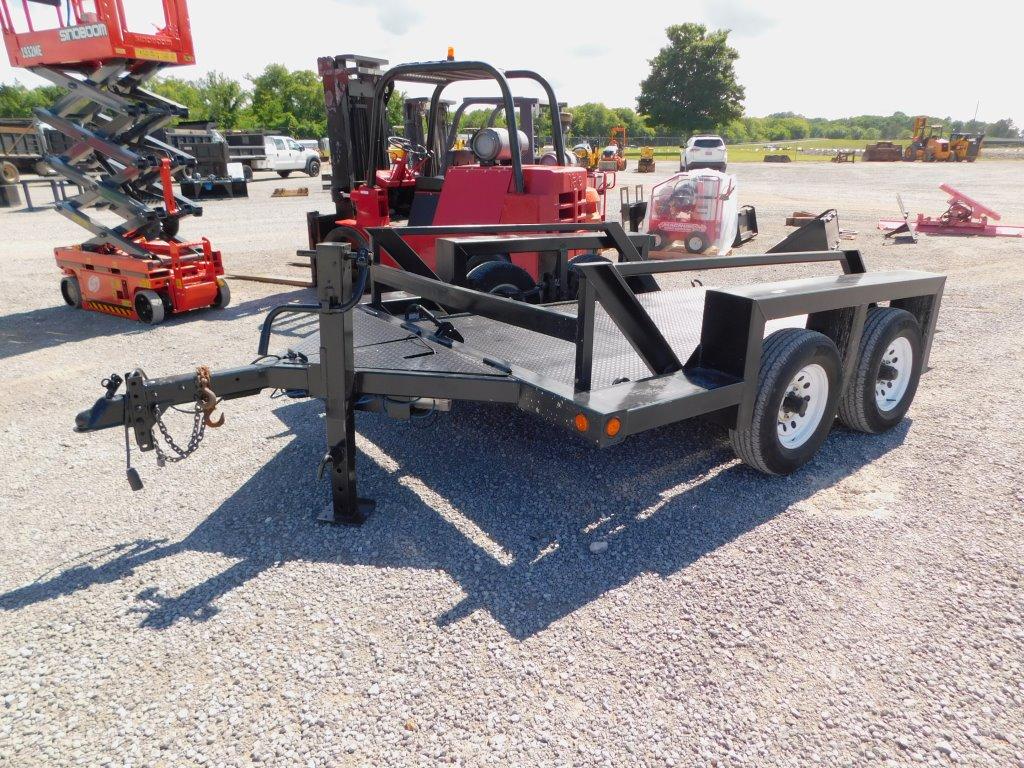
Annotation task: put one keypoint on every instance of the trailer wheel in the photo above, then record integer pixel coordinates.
(42, 168)
(795, 405)
(284, 174)
(71, 291)
(888, 369)
(572, 279)
(502, 278)
(696, 242)
(476, 261)
(149, 307)
(9, 173)
(313, 168)
(223, 295)
(247, 172)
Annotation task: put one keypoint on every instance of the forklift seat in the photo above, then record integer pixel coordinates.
(424, 200)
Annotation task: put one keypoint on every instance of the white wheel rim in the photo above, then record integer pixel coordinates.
(696, 243)
(899, 357)
(811, 385)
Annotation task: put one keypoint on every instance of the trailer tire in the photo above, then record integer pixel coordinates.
(42, 168)
(696, 242)
(502, 278)
(9, 173)
(572, 277)
(874, 404)
(793, 360)
(476, 261)
(313, 168)
(223, 297)
(247, 172)
(71, 291)
(284, 174)
(149, 307)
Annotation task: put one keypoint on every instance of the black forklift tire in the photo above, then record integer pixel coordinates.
(169, 228)
(572, 279)
(476, 261)
(149, 307)
(71, 291)
(874, 401)
(501, 278)
(223, 297)
(792, 360)
(284, 174)
(247, 172)
(696, 242)
(313, 168)
(346, 234)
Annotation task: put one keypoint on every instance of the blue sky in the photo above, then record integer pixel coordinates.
(816, 58)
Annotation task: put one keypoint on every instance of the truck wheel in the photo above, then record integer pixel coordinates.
(223, 295)
(42, 168)
(313, 168)
(9, 173)
(284, 174)
(149, 307)
(696, 242)
(502, 279)
(572, 278)
(71, 291)
(247, 172)
(888, 369)
(797, 395)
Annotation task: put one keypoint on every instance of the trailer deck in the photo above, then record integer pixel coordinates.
(623, 358)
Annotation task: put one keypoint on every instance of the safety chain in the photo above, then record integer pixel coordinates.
(206, 403)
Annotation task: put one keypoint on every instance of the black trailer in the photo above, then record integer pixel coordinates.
(775, 363)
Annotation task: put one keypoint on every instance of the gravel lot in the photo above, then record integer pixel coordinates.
(866, 611)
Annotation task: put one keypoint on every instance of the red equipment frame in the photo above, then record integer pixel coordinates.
(963, 216)
(99, 35)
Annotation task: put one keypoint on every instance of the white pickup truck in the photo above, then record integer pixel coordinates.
(282, 154)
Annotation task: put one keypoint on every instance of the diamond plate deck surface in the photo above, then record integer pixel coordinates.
(677, 314)
(379, 344)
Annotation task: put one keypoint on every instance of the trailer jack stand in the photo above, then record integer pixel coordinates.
(346, 507)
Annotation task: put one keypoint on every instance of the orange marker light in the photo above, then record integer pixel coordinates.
(613, 426)
(451, 53)
(582, 422)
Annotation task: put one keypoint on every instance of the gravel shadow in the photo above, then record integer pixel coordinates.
(504, 504)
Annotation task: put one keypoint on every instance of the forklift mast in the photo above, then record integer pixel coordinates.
(349, 83)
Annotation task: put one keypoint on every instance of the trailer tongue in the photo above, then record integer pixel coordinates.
(773, 362)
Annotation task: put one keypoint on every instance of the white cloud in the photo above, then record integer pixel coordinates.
(743, 20)
(394, 16)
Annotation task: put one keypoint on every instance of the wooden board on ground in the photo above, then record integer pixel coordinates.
(273, 279)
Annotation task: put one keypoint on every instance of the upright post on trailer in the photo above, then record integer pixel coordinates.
(337, 366)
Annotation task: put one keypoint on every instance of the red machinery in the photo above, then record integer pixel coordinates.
(502, 186)
(138, 269)
(963, 216)
(696, 208)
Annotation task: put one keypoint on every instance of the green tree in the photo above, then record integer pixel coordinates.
(18, 101)
(692, 84)
(290, 102)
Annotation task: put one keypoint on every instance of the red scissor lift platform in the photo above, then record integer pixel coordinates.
(138, 269)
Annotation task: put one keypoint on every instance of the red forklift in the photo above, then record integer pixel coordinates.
(433, 186)
(138, 269)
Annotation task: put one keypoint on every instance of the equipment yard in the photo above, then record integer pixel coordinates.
(517, 597)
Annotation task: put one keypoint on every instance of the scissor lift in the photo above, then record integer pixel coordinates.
(139, 268)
